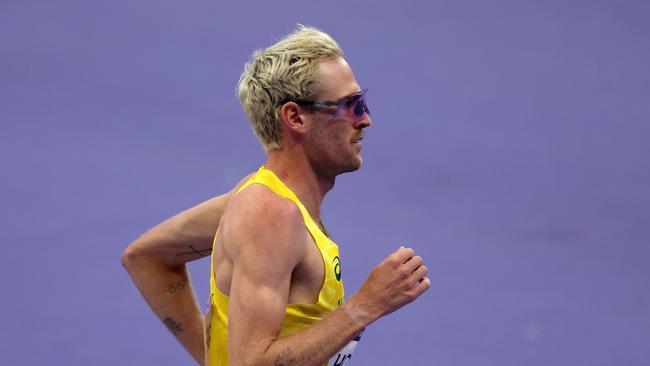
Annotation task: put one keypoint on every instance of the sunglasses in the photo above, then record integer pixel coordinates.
(352, 107)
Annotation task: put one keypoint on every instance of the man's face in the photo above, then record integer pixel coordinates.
(333, 141)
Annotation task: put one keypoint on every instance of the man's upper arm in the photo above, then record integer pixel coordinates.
(266, 240)
(184, 237)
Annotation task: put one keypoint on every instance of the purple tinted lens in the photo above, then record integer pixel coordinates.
(353, 107)
(359, 108)
(356, 106)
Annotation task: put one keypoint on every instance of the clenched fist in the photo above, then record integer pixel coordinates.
(396, 281)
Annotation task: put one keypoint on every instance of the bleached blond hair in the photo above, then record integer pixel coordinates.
(287, 70)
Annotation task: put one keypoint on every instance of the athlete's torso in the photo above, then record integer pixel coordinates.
(316, 281)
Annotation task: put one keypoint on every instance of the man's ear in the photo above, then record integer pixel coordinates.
(292, 116)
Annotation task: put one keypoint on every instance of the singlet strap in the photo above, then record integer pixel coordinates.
(267, 178)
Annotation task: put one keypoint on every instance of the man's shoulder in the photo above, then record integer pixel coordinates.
(264, 224)
(258, 205)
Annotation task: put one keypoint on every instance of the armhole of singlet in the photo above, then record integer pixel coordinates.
(213, 276)
(311, 234)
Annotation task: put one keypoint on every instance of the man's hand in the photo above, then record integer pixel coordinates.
(395, 282)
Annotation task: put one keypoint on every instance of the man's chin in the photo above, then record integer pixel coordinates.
(352, 167)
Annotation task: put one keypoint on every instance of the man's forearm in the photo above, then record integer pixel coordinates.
(169, 293)
(315, 345)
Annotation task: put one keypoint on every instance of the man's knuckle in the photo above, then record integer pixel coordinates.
(406, 285)
(393, 260)
(410, 296)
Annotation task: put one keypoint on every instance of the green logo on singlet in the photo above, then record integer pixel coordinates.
(337, 268)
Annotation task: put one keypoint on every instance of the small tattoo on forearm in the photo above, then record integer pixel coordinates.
(175, 287)
(173, 326)
(199, 252)
(285, 358)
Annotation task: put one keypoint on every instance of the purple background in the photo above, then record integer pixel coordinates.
(509, 148)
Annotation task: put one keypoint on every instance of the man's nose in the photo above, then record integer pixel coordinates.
(366, 122)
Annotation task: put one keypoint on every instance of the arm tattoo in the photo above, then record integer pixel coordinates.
(285, 358)
(172, 288)
(173, 326)
(199, 252)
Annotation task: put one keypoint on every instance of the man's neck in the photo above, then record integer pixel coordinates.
(300, 176)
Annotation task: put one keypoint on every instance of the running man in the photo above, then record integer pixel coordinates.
(276, 291)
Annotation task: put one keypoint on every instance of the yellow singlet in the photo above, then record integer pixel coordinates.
(298, 316)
